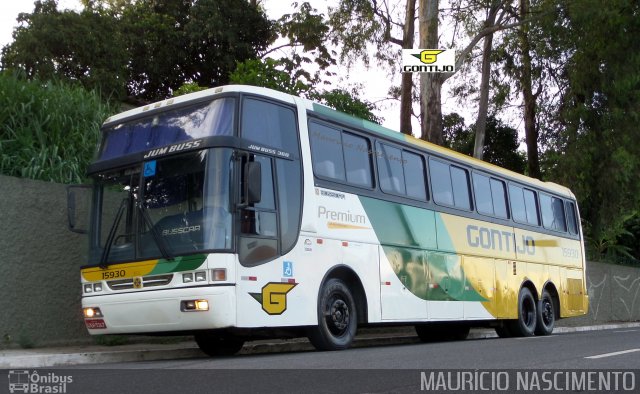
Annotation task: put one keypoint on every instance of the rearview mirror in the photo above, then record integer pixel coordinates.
(253, 182)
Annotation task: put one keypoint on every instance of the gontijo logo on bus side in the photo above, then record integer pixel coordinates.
(274, 297)
(428, 60)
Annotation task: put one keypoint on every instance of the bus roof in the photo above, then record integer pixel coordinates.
(340, 117)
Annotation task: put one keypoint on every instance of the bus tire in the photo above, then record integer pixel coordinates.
(546, 319)
(525, 325)
(216, 345)
(337, 317)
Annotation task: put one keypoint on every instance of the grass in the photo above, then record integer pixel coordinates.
(48, 130)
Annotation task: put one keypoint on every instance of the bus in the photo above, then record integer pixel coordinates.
(240, 212)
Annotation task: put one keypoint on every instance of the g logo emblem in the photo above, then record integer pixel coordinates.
(274, 297)
(137, 282)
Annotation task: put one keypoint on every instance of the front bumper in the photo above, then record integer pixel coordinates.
(160, 311)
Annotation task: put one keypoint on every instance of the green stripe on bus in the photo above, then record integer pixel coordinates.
(408, 237)
(180, 263)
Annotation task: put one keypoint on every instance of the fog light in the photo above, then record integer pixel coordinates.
(219, 274)
(88, 288)
(97, 287)
(91, 312)
(194, 305)
(201, 276)
(187, 278)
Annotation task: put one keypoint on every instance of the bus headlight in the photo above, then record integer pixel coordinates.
(194, 306)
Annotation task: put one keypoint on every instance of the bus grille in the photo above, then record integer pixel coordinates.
(147, 281)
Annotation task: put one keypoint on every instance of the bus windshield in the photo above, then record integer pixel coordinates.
(163, 208)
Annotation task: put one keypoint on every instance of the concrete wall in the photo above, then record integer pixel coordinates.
(39, 266)
(40, 277)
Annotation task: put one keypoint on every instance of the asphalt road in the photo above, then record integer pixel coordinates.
(383, 369)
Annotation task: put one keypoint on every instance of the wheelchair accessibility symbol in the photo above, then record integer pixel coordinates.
(287, 269)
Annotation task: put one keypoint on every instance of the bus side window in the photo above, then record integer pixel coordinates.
(571, 217)
(326, 151)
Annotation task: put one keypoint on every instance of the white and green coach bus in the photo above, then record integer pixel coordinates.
(240, 212)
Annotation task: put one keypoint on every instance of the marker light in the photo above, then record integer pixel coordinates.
(88, 288)
(187, 278)
(201, 276)
(97, 287)
(219, 274)
(91, 312)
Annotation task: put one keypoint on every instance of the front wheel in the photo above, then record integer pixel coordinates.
(218, 344)
(525, 325)
(546, 316)
(337, 317)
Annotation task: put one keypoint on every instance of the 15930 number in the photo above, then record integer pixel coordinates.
(113, 274)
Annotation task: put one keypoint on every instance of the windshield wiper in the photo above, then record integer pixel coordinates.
(112, 234)
(162, 246)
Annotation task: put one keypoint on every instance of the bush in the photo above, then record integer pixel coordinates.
(48, 130)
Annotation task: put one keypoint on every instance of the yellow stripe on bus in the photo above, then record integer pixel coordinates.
(120, 271)
(336, 226)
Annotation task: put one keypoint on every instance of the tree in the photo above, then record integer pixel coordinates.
(431, 84)
(358, 23)
(76, 47)
(266, 73)
(140, 49)
(595, 151)
(502, 144)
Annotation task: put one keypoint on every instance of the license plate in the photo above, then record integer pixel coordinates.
(95, 324)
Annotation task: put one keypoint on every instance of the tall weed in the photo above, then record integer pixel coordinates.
(48, 130)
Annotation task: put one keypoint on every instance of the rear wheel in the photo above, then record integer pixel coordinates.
(337, 317)
(546, 316)
(525, 325)
(218, 344)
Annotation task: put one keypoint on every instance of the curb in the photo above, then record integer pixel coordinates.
(56, 357)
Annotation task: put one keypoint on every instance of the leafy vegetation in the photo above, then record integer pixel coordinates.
(48, 130)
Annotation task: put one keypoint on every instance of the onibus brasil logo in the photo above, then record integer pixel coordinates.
(21, 381)
(428, 60)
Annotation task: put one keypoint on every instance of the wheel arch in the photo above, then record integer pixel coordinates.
(550, 287)
(353, 282)
(529, 285)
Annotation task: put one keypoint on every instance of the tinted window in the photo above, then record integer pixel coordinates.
(571, 218)
(441, 182)
(326, 151)
(546, 210)
(269, 124)
(414, 176)
(358, 162)
(460, 180)
(482, 190)
(390, 169)
(499, 197)
(290, 198)
(532, 207)
(559, 220)
(518, 209)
